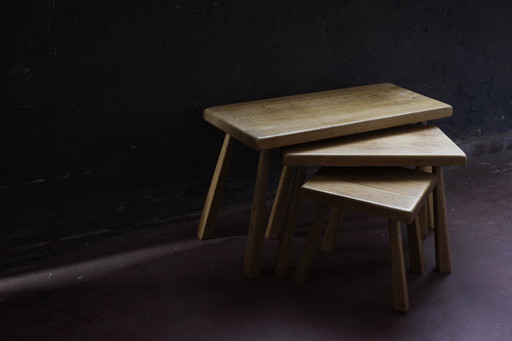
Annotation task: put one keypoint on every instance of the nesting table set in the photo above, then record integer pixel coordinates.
(363, 138)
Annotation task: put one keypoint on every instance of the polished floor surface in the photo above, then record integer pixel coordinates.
(166, 285)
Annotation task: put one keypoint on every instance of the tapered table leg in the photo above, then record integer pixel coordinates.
(416, 259)
(423, 215)
(278, 213)
(253, 252)
(331, 233)
(308, 252)
(399, 282)
(285, 244)
(212, 203)
(442, 244)
(430, 204)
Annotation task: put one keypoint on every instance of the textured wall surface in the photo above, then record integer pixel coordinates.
(101, 109)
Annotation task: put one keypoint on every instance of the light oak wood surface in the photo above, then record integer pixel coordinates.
(392, 192)
(283, 121)
(410, 145)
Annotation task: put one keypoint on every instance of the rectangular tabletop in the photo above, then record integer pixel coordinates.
(283, 121)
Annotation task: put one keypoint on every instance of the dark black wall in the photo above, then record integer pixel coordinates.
(104, 99)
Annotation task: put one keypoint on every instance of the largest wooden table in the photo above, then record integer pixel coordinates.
(283, 121)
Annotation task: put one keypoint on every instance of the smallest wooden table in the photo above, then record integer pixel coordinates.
(395, 193)
(278, 122)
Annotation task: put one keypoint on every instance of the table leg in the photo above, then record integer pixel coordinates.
(252, 266)
(430, 204)
(331, 233)
(423, 221)
(278, 213)
(442, 244)
(399, 281)
(423, 215)
(308, 251)
(212, 203)
(285, 244)
(415, 244)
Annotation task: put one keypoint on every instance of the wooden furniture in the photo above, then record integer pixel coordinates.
(410, 145)
(394, 193)
(284, 121)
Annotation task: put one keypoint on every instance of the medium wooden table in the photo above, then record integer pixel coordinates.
(283, 121)
(412, 145)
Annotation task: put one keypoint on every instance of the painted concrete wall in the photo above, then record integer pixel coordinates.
(102, 100)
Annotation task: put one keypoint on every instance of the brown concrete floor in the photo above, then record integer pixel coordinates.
(166, 285)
